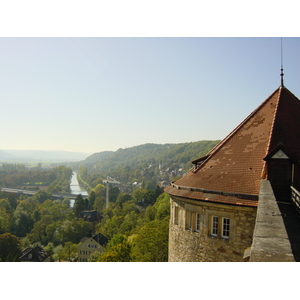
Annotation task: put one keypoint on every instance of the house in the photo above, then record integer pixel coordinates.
(236, 194)
(89, 245)
(35, 254)
(91, 216)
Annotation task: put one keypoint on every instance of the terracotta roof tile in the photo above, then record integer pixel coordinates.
(237, 163)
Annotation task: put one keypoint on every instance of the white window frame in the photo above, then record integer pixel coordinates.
(225, 228)
(215, 226)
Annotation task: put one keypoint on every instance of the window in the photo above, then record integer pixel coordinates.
(197, 227)
(176, 215)
(188, 220)
(215, 226)
(225, 228)
(220, 229)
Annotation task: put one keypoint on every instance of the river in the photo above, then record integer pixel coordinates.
(75, 189)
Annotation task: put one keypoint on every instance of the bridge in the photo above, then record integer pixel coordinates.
(31, 193)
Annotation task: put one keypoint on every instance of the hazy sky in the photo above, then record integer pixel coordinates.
(97, 94)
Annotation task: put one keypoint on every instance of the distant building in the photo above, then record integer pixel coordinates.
(91, 216)
(89, 245)
(34, 254)
(227, 202)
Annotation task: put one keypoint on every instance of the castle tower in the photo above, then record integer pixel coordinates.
(213, 207)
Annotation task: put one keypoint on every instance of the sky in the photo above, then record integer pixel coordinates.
(100, 93)
(110, 75)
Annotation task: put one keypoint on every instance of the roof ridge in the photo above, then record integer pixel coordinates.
(215, 150)
(274, 118)
(264, 169)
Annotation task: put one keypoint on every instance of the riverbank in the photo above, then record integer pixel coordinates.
(76, 187)
(84, 184)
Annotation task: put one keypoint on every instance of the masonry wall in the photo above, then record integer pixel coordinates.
(188, 245)
(270, 239)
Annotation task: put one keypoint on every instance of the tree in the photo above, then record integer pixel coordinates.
(162, 206)
(129, 223)
(92, 198)
(143, 194)
(79, 205)
(122, 197)
(69, 252)
(4, 220)
(117, 250)
(10, 250)
(73, 230)
(112, 225)
(41, 232)
(150, 243)
(23, 223)
(41, 196)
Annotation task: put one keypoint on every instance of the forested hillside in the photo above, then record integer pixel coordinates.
(179, 153)
(148, 164)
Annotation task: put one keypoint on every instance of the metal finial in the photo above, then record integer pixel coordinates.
(281, 74)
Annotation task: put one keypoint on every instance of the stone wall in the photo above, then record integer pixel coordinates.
(270, 239)
(188, 245)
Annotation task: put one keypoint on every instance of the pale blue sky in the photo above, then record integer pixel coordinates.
(97, 94)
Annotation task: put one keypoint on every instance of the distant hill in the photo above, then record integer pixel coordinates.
(99, 156)
(41, 155)
(161, 153)
(4, 155)
(148, 161)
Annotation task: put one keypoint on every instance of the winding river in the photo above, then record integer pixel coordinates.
(75, 188)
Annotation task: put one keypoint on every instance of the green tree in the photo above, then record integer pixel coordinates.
(92, 198)
(23, 223)
(150, 243)
(73, 230)
(117, 250)
(129, 223)
(41, 196)
(5, 223)
(10, 248)
(43, 231)
(162, 206)
(79, 205)
(69, 252)
(123, 197)
(143, 194)
(58, 253)
(111, 226)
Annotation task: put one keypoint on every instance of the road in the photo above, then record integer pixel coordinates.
(29, 192)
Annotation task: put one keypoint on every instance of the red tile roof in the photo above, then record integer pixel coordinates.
(236, 165)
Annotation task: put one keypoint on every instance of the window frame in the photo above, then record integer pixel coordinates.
(225, 228)
(215, 226)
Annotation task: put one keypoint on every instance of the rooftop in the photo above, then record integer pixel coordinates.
(231, 172)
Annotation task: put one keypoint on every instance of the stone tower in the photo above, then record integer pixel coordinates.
(214, 206)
